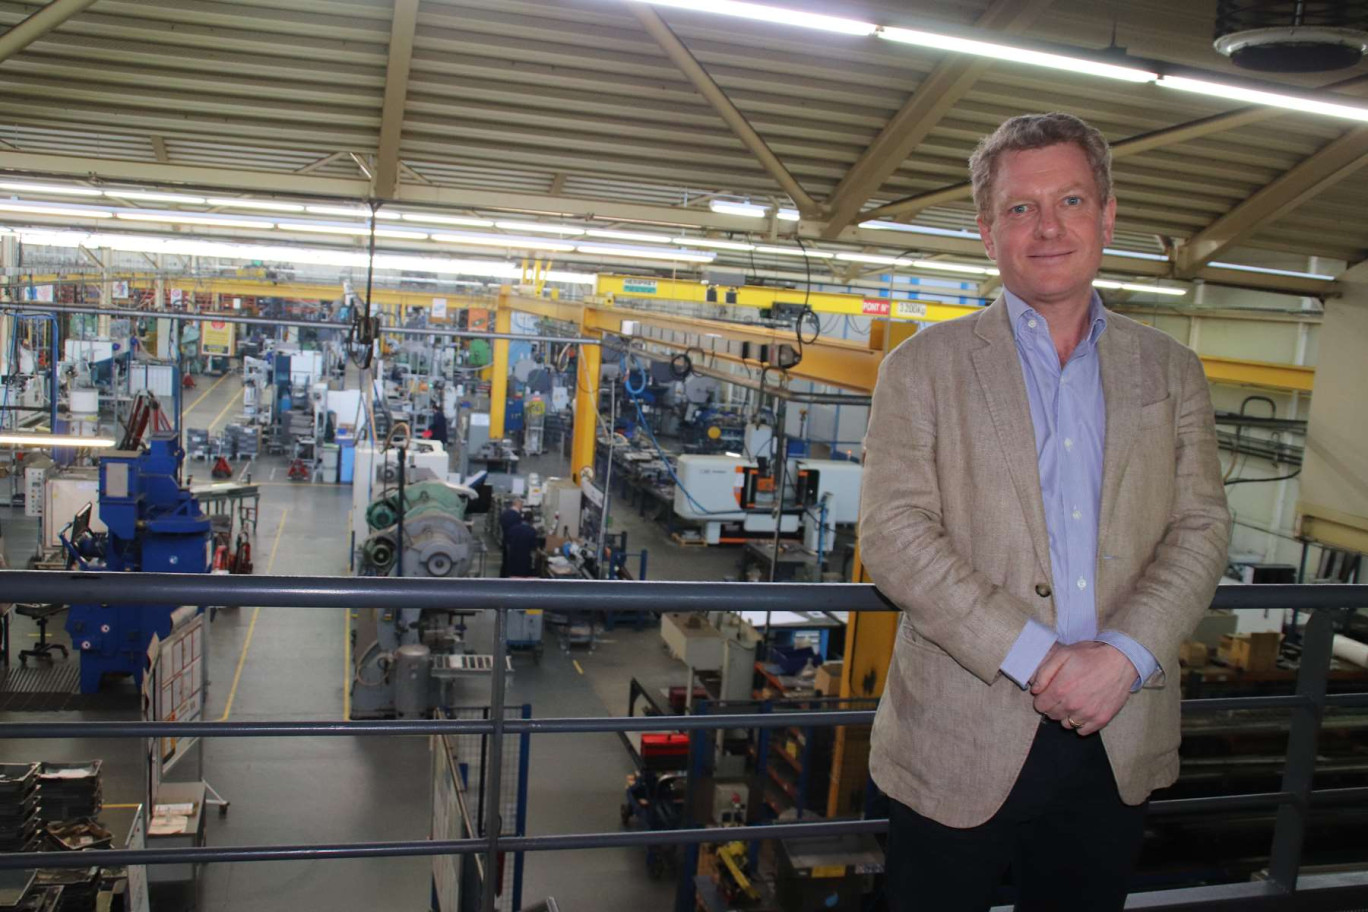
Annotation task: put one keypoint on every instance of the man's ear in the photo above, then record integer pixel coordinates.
(986, 234)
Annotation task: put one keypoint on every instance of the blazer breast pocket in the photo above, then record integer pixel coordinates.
(1157, 414)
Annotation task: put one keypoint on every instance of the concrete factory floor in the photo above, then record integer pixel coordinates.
(274, 663)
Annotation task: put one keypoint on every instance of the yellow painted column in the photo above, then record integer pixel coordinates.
(868, 650)
(498, 381)
(586, 409)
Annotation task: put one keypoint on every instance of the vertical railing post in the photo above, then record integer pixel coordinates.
(700, 743)
(524, 761)
(1289, 833)
(493, 782)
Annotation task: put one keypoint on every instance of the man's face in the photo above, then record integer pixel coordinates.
(1047, 224)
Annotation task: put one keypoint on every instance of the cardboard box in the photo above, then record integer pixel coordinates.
(1251, 651)
(828, 681)
(1193, 654)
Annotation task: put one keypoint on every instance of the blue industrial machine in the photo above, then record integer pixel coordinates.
(154, 526)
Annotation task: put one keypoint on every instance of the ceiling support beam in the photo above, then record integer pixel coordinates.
(1332, 164)
(681, 57)
(294, 185)
(940, 91)
(402, 29)
(320, 163)
(1144, 142)
(39, 24)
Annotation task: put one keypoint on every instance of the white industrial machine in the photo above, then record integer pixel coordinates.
(731, 492)
(833, 497)
(560, 509)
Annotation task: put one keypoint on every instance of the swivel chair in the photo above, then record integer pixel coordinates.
(41, 613)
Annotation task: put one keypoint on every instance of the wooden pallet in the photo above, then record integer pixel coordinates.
(688, 542)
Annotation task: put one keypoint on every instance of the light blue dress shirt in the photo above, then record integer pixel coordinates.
(1069, 414)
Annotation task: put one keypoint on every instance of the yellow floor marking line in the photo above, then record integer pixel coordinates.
(577, 666)
(224, 410)
(201, 397)
(251, 628)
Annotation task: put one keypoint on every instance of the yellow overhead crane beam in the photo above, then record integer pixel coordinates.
(889, 319)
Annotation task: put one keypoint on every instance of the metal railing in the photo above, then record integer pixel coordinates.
(1285, 888)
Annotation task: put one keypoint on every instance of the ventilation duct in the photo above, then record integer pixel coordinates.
(1292, 36)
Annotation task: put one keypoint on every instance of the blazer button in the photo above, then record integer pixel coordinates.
(1042, 590)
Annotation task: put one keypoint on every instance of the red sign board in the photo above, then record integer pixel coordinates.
(875, 307)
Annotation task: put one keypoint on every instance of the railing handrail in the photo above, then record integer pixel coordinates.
(1293, 801)
(520, 594)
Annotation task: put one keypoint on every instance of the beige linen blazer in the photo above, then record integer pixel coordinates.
(952, 530)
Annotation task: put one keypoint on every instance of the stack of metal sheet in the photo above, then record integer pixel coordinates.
(197, 443)
(69, 791)
(20, 827)
(243, 441)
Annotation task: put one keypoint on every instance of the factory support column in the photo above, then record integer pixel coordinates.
(586, 409)
(498, 381)
(870, 636)
(9, 258)
(106, 291)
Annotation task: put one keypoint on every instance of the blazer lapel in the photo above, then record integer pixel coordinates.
(1119, 357)
(998, 368)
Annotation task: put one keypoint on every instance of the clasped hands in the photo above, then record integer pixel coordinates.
(1083, 686)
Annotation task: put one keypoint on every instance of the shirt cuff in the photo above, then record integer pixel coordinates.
(1026, 654)
(1143, 660)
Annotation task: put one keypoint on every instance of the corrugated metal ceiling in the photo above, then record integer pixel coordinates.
(572, 96)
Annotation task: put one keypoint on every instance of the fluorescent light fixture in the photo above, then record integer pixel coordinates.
(145, 196)
(773, 15)
(638, 236)
(539, 228)
(361, 212)
(798, 252)
(684, 256)
(287, 253)
(462, 220)
(1265, 97)
(1154, 289)
(54, 209)
(1011, 54)
(1112, 285)
(732, 207)
(920, 229)
(955, 267)
(1135, 254)
(177, 218)
(710, 242)
(1240, 267)
(787, 215)
(873, 258)
(353, 230)
(508, 241)
(54, 440)
(233, 202)
(56, 189)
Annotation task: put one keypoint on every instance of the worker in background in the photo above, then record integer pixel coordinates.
(509, 518)
(438, 426)
(520, 543)
(1043, 500)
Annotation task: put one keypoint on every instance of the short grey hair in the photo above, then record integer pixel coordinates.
(1037, 131)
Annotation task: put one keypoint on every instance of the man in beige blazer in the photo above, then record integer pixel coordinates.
(1043, 501)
